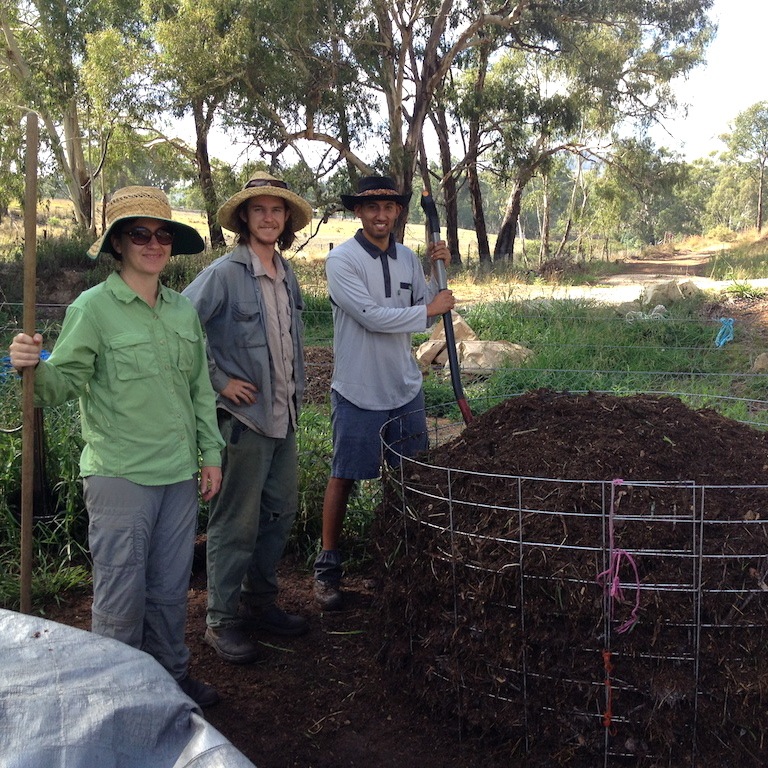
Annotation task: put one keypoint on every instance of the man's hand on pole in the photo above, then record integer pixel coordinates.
(444, 302)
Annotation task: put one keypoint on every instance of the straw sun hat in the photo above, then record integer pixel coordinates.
(262, 183)
(145, 203)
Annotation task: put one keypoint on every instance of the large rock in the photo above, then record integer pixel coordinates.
(761, 363)
(475, 356)
(665, 293)
(486, 356)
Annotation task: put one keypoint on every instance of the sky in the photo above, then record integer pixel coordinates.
(732, 79)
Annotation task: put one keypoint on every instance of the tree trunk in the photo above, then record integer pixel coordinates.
(571, 209)
(81, 189)
(473, 178)
(449, 186)
(544, 227)
(478, 216)
(202, 127)
(760, 188)
(505, 242)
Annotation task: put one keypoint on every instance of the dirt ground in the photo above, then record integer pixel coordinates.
(327, 699)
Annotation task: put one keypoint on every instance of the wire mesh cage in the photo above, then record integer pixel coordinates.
(581, 622)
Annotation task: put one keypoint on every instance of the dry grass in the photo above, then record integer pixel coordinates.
(56, 216)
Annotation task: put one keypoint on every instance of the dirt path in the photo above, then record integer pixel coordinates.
(624, 287)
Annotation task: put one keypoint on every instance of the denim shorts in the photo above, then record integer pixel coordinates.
(359, 436)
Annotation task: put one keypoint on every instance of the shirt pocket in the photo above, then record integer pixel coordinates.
(186, 343)
(133, 356)
(249, 329)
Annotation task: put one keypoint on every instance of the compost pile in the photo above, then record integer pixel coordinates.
(494, 613)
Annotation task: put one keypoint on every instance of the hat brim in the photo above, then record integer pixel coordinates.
(351, 202)
(301, 210)
(186, 239)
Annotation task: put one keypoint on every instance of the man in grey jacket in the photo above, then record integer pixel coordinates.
(250, 304)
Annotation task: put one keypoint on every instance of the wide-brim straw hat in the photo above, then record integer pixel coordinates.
(262, 183)
(145, 203)
(371, 188)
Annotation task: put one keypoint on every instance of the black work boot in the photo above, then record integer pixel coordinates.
(232, 645)
(328, 596)
(202, 694)
(273, 619)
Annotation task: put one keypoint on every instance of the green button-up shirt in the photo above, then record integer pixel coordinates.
(146, 402)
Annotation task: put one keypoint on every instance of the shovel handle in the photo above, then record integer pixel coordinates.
(433, 223)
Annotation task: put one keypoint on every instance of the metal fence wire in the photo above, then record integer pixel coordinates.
(582, 622)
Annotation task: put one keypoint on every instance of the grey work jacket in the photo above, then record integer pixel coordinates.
(229, 301)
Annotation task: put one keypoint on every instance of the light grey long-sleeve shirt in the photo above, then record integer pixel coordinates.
(374, 366)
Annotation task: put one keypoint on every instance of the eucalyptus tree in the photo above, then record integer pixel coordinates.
(595, 67)
(202, 52)
(747, 142)
(636, 189)
(731, 202)
(49, 47)
(359, 77)
(12, 137)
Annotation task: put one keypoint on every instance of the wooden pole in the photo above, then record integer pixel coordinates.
(28, 380)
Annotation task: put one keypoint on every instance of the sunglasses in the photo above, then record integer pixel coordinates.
(266, 183)
(142, 235)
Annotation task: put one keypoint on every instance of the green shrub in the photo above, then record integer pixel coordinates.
(721, 234)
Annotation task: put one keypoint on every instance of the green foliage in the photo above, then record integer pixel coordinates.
(745, 291)
(183, 269)
(315, 449)
(638, 192)
(314, 445)
(748, 142)
(642, 355)
(721, 234)
(60, 558)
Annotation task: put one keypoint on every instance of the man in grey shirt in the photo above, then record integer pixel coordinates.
(250, 306)
(380, 297)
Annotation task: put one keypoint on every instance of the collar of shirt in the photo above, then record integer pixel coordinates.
(123, 292)
(374, 250)
(258, 267)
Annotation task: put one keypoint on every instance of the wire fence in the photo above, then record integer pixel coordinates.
(582, 622)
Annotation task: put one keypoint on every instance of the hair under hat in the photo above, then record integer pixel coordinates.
(145, 203)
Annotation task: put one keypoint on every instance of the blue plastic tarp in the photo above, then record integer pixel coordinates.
(72, 699)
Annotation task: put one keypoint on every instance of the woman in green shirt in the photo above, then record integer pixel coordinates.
(133, 352)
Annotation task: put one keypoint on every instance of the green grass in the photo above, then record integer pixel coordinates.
(745, 261)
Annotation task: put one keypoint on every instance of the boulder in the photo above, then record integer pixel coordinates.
(484, 356)
(666, 293)
(761, 363)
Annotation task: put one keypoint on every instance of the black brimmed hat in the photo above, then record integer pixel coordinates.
(375, 188)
